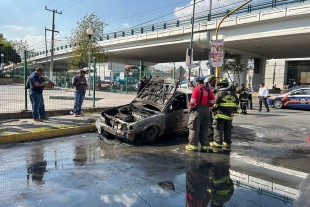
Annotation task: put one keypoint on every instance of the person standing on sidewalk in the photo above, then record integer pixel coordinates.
(80, 84)
(262, 96)
(250, 91)
(199, 117)
(226, 102)
(36, 95)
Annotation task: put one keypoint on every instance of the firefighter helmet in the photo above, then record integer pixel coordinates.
(222, 82)
(211, 78)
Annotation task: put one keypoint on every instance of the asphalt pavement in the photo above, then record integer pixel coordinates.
(268, 165)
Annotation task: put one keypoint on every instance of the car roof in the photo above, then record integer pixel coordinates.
(183, 90)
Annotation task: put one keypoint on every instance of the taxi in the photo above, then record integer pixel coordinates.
(299, 98)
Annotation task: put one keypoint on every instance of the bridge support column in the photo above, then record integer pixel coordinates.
(258, 73)
(244, 61)
(275, 73)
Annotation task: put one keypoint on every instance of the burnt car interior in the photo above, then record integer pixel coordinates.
(152, 100)
(179, 103)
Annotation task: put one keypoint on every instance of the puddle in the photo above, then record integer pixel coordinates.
(84, 171)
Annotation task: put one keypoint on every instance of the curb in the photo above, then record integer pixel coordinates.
(28, 136)
(60, 112)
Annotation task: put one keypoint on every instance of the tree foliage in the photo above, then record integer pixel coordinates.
(7, 49)
(20, 46)
(80, 41)
(233, 66)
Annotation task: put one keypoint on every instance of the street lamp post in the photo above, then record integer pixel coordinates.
(2, 60)
(217, 71)
(90, 33)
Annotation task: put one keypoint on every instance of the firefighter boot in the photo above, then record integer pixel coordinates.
(191, 147)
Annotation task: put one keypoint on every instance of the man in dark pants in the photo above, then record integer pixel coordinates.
(36, 96)
(80, 84)
(226, 102)
(263, 95)
(250, 91)
(243, 98)
(199, 118)
(212, 85)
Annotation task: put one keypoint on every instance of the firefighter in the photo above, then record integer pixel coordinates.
(243, 98)
(199, 118)
(208, 181)
(221, 185)
(211, 83)
(226, 102)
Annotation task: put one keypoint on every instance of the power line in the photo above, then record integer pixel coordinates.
(30, 13)
(145, 12)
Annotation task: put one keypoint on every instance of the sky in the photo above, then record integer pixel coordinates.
(26, 19)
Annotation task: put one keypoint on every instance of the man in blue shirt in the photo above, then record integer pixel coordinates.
(36, 97)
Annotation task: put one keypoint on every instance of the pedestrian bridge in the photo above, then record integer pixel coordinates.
(273, 33)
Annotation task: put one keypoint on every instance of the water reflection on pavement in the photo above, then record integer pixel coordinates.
(84, 171)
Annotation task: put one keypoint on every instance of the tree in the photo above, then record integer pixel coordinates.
(226, 68)
(80, 41)
(237, 67)
(233, 66)
(20, 46)
(10, 54)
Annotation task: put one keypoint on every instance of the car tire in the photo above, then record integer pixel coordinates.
(278, 104)
(150, 134)
(106, 134)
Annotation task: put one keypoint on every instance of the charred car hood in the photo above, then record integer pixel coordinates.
(158, 92)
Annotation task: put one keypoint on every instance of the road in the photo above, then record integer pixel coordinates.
(268, 165)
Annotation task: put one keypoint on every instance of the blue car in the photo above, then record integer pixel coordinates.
(299, 98)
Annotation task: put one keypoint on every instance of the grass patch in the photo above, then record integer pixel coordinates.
(42, 129)
(3, 129)
(77, 121)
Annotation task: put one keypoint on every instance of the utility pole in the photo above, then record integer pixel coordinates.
(53, 31)
(46, 64)
(191, 43)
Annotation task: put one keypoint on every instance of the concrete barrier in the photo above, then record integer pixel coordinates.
(49, 133)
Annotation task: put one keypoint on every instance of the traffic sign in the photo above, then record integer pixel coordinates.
(180, 72)
(194, 65)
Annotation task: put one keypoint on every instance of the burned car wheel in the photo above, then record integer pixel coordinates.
(150, 134)
(107, 135)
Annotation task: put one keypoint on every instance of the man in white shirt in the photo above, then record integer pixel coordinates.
(262, 95)
(250, 92)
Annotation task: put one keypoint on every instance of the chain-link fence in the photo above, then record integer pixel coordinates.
(60, 95)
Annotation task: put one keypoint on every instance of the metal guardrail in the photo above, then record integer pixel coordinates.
(175, 23)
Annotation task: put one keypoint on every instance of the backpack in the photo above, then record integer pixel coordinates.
(28, 83)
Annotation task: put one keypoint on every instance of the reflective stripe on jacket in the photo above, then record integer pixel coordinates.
(205, 100)
(226, 102)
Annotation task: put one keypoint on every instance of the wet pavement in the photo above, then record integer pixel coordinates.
(267, 166)
(85, 171)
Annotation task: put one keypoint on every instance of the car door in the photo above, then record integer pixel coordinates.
(177, 115)
(305, 98)
(293, 100)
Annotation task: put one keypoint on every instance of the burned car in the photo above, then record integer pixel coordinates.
(158, 109)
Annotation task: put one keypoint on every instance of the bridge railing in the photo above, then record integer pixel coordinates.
(184, 21)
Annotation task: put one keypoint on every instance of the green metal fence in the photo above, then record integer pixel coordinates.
(15, 96)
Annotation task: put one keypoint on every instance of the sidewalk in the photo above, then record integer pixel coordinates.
(17, 130)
